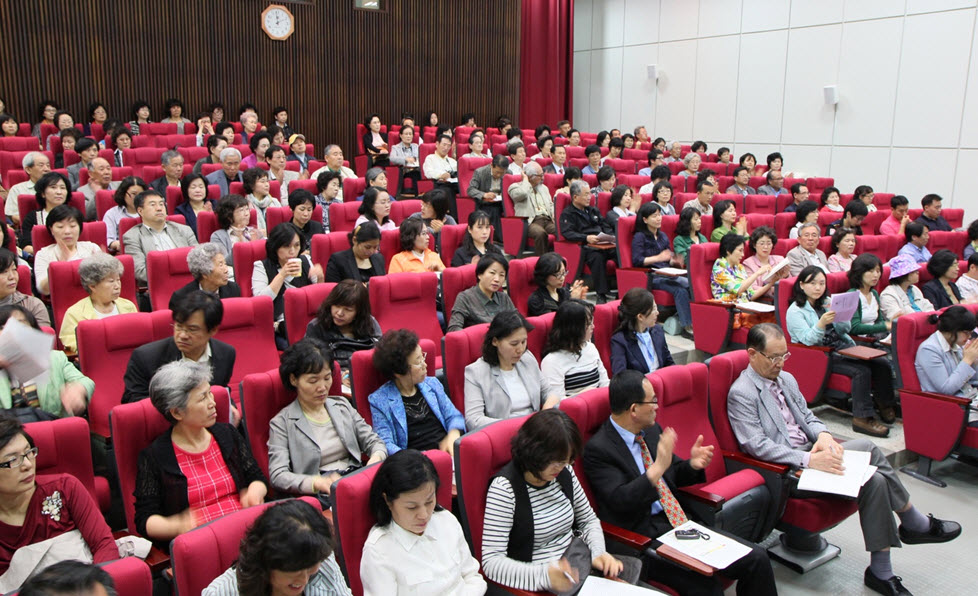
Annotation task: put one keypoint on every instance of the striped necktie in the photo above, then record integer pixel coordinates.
(674, 512)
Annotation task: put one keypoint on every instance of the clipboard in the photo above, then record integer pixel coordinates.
(862, 352)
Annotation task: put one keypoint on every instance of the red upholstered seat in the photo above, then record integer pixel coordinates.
(245, 254)
(204, 553)
(521, 284)
(536, 340)
(92, 231)
(404, 208)
(131, 576)
(104, 348)
(24, 279)
(628, 275)
(407, 300)
(605, 323)
(817, 185)
(248, 325)
(713, 328)
(28, 203)
(365, 379)
(117, 174)
(353, 517)
(760, 204)
(454, 280)
(66, 288)
(343, 216)
(460, 349)
(301, 306)
(166, 272)
(19, 144)
(13, 161)
(451, 239)
(64, 447)
(324, 245)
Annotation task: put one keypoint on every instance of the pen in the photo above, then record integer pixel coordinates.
(569, 578)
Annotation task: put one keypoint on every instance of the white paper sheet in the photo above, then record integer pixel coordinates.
(26, 350)
(670, 271)
(844, 305)
(759, 307)
(847, 484)
(774, 270)
(599, 586)
(604, 238)
(719, 551)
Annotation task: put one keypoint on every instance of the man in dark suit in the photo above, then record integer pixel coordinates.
(486, 189)
(628, 486)
(172, 163)
(196, 319)
(229, 172)
(581, 223)
(559, 153)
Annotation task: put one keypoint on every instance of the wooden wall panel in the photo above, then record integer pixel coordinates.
(450, 56)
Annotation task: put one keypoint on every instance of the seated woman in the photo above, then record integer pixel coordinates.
(831, 201)
(58, 392)
(662, 194)
(199, 469)
(843, 243)
(375, 178)
(505, 382)
(691, 163)
(538, 519)
(687, 234)
(415, 256)
(101, 277)
(215, 144)
(124, 209)
(486, 299)
(869, 319)
(375, 143)
(287, 550)
(806, 212)
(731, 282)
(725, 221)
(650, 248)
(396, 561)
(902, 296)
(283, 267)
(865, 194)
(318, 437)
(809, 323)
(276, 171)
(571, 173)
(411, 410)
(259, 144)
(945, 361)
(174, 109)
(344, 323)
(972, 246)
(211, 274)
(64, 223)
(549, 275)
(477, 146)
(194, 190)
(361, 261)
(328, 185)
(762, 241)
(9, 296)
(434, 214)
(8, 125)
(477, 240)
(256, 188)
(233, 217)
(51, 190)
(39, 508)
(571, 364)
(376, 208)
(546, 146)
(303, 203)
(638, 343)
(621, 205)
(942, 291)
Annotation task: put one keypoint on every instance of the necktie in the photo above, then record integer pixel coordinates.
(118, 158)
(674, 512)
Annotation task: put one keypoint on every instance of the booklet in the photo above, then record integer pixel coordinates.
(857, 472)
(775, 270)
(718, 551)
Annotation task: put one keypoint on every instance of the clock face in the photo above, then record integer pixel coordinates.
(277, 22)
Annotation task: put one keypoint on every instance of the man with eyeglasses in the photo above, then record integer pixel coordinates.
(196, 319)
(772, 422)
(775, 184)
(634, 474)
(531, 201)
(807, 252)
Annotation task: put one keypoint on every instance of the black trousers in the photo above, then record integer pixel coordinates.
(596, 260)
(452, 189)
(869, 378)
(495, 212)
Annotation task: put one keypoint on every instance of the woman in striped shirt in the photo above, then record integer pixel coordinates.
(535, 505)
(571, 363)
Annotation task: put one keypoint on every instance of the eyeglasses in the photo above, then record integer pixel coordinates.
(560, 274)
(18, 460)
(655, 402)
(423, 363)
(192, 330)
(777, 359)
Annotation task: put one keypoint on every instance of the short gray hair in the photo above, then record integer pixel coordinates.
(329, 148)
(638, 128)
(810, 224)
(689, 157)
(96, 268)
(168, 156)
(200, 259)
(170, 387)
(228, 152)
(372, 174)
(670, 144)
(532, 168)
(28, 161)
(578, 187)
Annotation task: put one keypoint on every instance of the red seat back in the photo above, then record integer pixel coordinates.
(626, 231)
(605, 322)
(451, 239)
(461, 348)
(401, 210)
(24, 278)
(365, 379)
(248, 325)
(92, 231)
(66, 288)
(724, 370)
(952, 241)
(64, 447)
(760, 204)
(536, 340)
(166, 272)
(301, 306)
(19, 144)
(117, 174)
(353, 188)
(245, 254)
(28, 203)
(407, 300)
(354, 518)
(909, 331)
(521, 284)
(343, 216)
(453, 281)
(104, 200)
(700, 267)
(324, 245)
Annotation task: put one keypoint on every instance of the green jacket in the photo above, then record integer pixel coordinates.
(681, 244)
(49, 394)
(859, 328)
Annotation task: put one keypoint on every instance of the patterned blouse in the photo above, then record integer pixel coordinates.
(727, 279)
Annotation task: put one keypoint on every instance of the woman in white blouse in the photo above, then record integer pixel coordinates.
(416, 547)
(571, 363)
(64, 223)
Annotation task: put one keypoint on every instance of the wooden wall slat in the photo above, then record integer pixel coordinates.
(341, 64)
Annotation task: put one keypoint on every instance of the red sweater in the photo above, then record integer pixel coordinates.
(78, 511)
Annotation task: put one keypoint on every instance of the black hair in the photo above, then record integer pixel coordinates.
(636, 301)
(363, 233)
(514, 133)
(700, 185)
(323, 180)
(659, 186)
(572, 173)
(758, 335)
(626, 389)
(409, 231)
(221, 126)
(183, 307)
(247, 106)
(64, 212)
(863, 264)
(744, 157)
(301, 196)
(763, 232)
(468, 116)
(543, 128)
(84, 144)
(502, 326)
(353, 294)
(370, 196)
(307, 356)
(281, 236)
(719, 209)
(796, 187)
(644, 211)
(273, 150)
(617, 142)
(972, 262)
(729, 243)
(723, 150)
(605, 173)
(600, 137)
(861, 191)
(438, 199)
(804, 209)
(487, 260)
(475, 218)
(840, 233)
(7, 310)
(403, 472)
(68, 578)
(250, 177)
(439, 138)
(392, 351)
(7, 259)
(139, 103)
(548, 264)
(798, 297)
(47, 180)
(546, 437)
(45, 103)
(738, 170)
(124, 186)
(704, 174)
(929, 198)
(685, 225)
(187, 181)
(569, 330)
(257, 138)
(898, 201)
(827, 191)
(697, 145)
(118, 132)
(514, 148)
(277, 109)
(139, 199)
(953, 319)
(591, 149)
(937, 266)
(773, 156)
(618, 193)
(226, 207)
(855, 209)
(913, 229)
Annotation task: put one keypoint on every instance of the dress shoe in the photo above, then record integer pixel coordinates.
(602, 299)
(888, 415)
(888, 587)
(869, 426)
(939, 531)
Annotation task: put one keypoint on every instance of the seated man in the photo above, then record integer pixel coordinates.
(772, 422)
(531, 200)
(917, 236)
(593, 155)
(931, 217)
(705, 191)
(799, 192)
(297, 144)
(655, 159)
(334, 163)
(775, 184)
(896, 223)
(229, 172)
(675, 151)
(581, 223)
(741, 185)
(559, 153)
(99, 178)
(35, 164)
(172, 163)
(658, 174)
(486, 189)
(87, 150)
(632, 489)
(154, 232)
(968, 282)
(196, 319)
(807, 252)
(852, 218)
(441, 168)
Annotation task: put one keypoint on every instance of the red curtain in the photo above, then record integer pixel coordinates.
(546, 61)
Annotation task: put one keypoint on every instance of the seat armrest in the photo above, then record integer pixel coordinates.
(700, 495)
(825, 349)
(671, 554)
(954, 399)
(755, 463)
(625, 537)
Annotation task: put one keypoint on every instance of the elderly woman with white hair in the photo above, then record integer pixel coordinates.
(211, 273)
(199, 469)
(101, 276)
(692, 162)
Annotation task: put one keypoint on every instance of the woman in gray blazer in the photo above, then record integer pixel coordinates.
(318, 437)
(506, 381)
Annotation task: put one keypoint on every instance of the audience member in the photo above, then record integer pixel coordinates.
(941, 291)
(297, 151)
(36, 165)
(703, 202)
(230, 171)
(650, 249)
(215, 145)
(376, 209)
(99, 178)
(731, 282)
(831, 201)
(405, 156)
(50, 191)
(174, 110)
(434, 214)
(762, 241)
(285, 266)
(193, 187)
(843, 243)
(897, 222)
(361, 261)
(125, 209)
(968, 282)
(807, 252)
(675, 151)
(303, 204)
(87, 150)
(726, 222)
(256, 188)
(210, 272)
(748, 161)
(741, 183)
(687, 234)
(852, 217)
(532, 201)
(70, 578)
(869, 319)
(154, 232)
(375, 143)
(606, 181)
(691, 163)
(558, 165)
(275, 156)
(864, 194)
(476, 242)
(517, 156)
(917, 235)
(805, 213)
(233, 217)
(775, 184)
(483, 301)
(328, 186)
(593, 155)
(549, 275)
(661, 194)
(945, 361)
(64, 224)
(415, 255)
(344, 323)
(799, 194)
(571, 363)
(441, 168)
(639, 343)
(582, 224)
(101, 277)
(486, 189)
(620, 205)
(10, 296)
(972, 246)
(931, 218)
(334, 163)
(902, 296)
(172, 162)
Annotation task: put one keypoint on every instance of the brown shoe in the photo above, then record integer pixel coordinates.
(888, 415)
(869, 426)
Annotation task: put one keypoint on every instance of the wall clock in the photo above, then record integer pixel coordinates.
(277, 22)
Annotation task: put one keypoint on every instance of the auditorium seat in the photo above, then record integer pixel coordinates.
(245, 254)
(248, 326)
(166, 272)
(407, 300)
(455, 280)
(451, 239)
(460, 349)
(301, 306)
(605, 323)
(343, 216)
(28, 203)
(713, 320)
(92, 231)
(401, 210)
(19, 144)
(127, 223)
(117, 174)
(324, 245)
(64, 447)
(521, 284)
